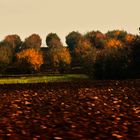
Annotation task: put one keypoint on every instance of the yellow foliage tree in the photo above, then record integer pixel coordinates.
(59, 57)
(32, 57)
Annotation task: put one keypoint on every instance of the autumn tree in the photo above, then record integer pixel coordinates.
(96, 38)
(111, 63)
(113, 43)
(58, 55)
(83, 52)
(135, 58)
(29, 60)
(72, 40)
(33, 41)
(52, 40)
(59, 58)
(129, 40)
(117, 34)
(6, 55)
(46, 64)
(83, 56)
(14, 41)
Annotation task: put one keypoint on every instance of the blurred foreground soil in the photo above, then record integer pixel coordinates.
(90, 110)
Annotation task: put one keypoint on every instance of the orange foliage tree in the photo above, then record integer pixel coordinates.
(31, 58)
(113, 43)
(129, 38)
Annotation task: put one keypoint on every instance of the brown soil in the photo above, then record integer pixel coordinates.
(93, 110)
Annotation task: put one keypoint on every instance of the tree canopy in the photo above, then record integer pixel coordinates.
(72, 40)
(33, 41)
(101, 55)
(31, 58)
(52, 40)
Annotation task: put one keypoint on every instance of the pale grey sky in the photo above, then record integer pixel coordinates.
(24, 17)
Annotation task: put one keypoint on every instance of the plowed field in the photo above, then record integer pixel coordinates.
(90, 110)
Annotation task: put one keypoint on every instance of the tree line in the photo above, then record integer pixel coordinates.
(113, 55)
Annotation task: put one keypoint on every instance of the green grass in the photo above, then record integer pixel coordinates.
(42, 79)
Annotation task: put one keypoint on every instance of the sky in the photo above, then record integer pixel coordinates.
(25, 17)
